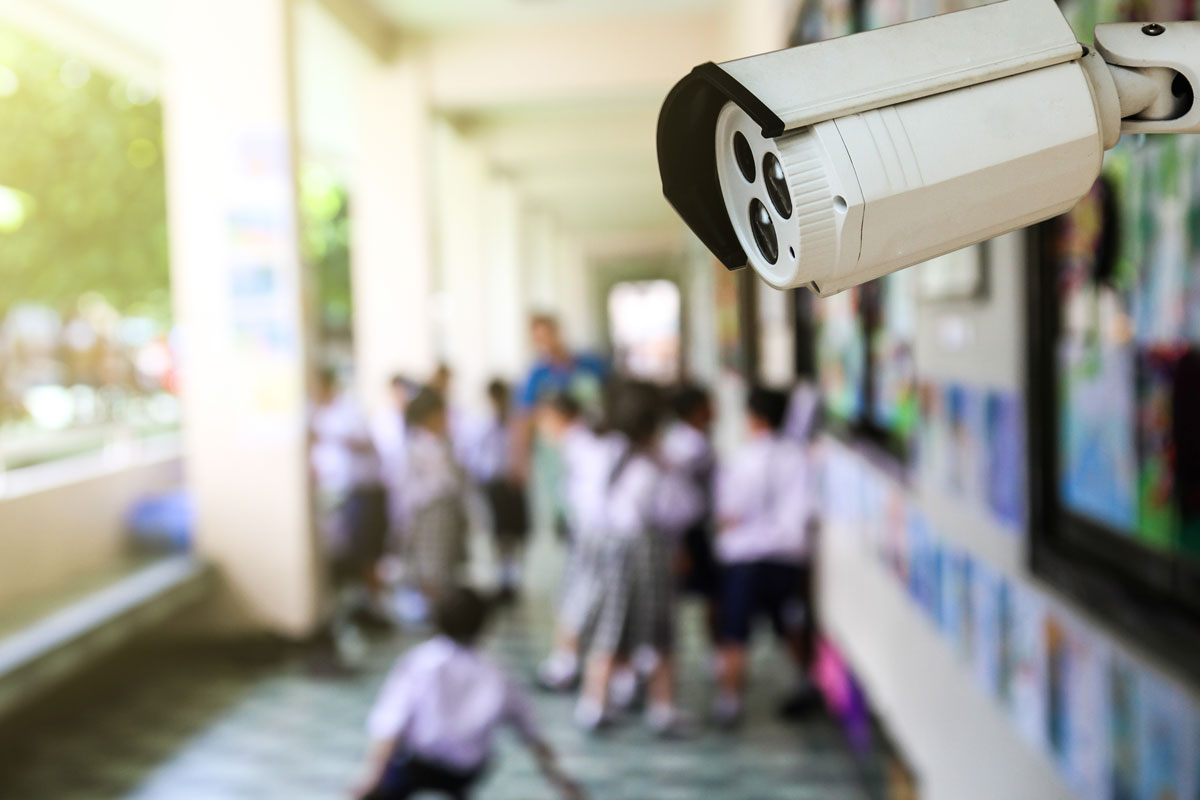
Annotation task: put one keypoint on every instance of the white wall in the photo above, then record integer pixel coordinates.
(66, 519)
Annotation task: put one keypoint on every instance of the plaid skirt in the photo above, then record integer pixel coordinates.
(629, 595)
(437, 541)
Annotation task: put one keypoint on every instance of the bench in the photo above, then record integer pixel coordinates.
(62, 634)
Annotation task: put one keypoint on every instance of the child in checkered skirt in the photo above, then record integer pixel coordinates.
(629, 570)
(435, 491)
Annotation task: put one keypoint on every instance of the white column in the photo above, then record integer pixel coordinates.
(508, 341)
(569, 295)
(391, 228)
(538, 242)
(460, 191)
(239, 299)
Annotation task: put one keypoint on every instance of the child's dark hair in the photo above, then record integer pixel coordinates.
(500, 395)
(688, 399)
(461, 614)
(768, 405)
(564, 404)
(425, 405)
(635, 411)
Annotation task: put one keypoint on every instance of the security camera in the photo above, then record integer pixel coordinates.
(834, 163)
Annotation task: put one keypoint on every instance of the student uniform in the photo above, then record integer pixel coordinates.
(442, 705)
(588, 461)
(487, 459)
(764, 507)
(688, 456)
(632, 604)
(434, 494)
(389, 431)
(350, 483)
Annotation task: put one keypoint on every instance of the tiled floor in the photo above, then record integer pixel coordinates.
(211, 725)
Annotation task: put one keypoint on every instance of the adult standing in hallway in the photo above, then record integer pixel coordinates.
(556, 371)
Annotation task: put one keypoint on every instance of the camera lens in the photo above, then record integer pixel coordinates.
(777, 188)
(764, 230)
(744, 156)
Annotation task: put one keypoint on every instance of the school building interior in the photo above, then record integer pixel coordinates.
(205, 204)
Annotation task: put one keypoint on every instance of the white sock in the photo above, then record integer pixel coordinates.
(588, 713)
(661, 717)
(560, 667)
(623, 689)
(645, 659)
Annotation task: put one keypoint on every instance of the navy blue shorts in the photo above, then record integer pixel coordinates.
(406, 775)
(776, 590)
(702, 576)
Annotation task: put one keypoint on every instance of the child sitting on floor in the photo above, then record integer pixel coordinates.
(434, 722)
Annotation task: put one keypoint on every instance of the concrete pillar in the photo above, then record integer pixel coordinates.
(508, 342)
(538, 242)
(391, 228)
(240, 301)
(460, 178)
(575, 306)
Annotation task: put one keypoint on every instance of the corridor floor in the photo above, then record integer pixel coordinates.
(217, 724)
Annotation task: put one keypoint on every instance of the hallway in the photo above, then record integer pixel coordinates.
(251, 723)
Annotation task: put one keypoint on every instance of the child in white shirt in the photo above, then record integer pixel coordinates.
(764, 512)
(435, 496)
(488, 458)
(433, 725)
(688, 456)
(632, 599)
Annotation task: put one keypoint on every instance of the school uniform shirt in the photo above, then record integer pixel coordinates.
(486, 450)
(639, 499)
(430, 472)
(587, 461)
(391, 443)
(687, 456)
(444, 702)
(764, 503)
(339, 458)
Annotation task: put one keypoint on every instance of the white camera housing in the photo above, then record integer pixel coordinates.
(834, 163)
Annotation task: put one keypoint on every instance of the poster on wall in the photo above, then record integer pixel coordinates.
(1028, 693)
(1006, 465)
(966, 427)
(960, 275)
(986, 591)
(1163, 739)
(1124, 713)
(1084, 753)
(841, 356)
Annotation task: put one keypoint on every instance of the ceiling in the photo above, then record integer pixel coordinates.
(442, 15)
(583, 152)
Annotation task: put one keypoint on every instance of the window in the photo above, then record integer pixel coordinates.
(86, 347)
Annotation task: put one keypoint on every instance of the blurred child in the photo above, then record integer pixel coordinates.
(687, 454)
(435, 720)
(388, 432)
(631, 568)
(490, 464)
(348, 476)
(435, 497)
(764, 507)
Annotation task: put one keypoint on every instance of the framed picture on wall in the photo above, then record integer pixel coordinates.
(961, 275)
(1114, 355)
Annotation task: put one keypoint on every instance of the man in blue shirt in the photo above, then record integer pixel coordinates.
(556, 371)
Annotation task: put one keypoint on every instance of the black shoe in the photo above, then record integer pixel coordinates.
(801, 704)
(506, 596)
